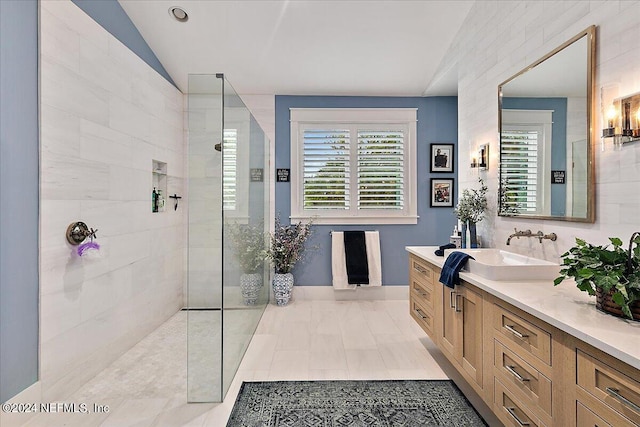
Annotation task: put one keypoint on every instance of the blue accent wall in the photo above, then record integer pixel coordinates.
(558, 141)
(18, 196)
(437, 122)
(112, 17)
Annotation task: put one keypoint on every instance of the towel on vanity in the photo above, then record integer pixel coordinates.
(450, 275)
(338, 263)
(440, 250)
(355, 255)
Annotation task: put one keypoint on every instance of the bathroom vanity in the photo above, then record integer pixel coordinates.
(538, 355)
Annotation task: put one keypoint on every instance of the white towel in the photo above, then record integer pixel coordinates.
(339, 265)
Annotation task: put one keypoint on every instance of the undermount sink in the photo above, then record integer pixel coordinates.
(496, 264)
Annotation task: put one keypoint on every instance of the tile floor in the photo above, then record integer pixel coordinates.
(306, 340)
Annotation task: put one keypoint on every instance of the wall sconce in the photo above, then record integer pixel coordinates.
(483, 154)
(622, 120)
(482, 161)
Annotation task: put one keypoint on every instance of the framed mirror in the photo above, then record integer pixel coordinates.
(545, 118)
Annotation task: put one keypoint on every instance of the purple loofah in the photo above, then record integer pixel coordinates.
(87, 246)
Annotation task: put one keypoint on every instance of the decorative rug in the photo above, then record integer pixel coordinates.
(406, 403)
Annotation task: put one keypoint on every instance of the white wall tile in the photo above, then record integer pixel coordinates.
(60, 131)
(105, 116)
(69, 178)
(64, 89)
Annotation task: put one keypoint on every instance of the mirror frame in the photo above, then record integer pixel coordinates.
(590, 33)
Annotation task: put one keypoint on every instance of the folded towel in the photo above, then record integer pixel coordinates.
(450, 275)
(355, 252)
(440, 250)
(339, 269)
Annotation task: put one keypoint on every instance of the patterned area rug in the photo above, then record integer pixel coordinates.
(352, 403)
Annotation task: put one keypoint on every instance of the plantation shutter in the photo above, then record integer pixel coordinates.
(520, 154)
(326, 169)
(229, 169)
(380, 170)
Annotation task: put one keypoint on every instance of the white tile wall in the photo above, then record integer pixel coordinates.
(498, 39)
(105, 116)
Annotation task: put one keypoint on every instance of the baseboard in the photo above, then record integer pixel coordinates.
(30, 395)
(327, 293)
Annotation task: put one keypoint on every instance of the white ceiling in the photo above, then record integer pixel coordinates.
(315, 47)
(562, 75)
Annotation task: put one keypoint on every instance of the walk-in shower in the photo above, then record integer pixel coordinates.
(228, 197)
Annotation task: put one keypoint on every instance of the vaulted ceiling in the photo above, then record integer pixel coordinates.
(311, 47)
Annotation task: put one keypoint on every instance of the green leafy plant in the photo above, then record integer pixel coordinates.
(287, 245)
(601, 267)
(248, 244)
(473, 204)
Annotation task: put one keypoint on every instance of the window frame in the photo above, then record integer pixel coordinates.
(354, 118)
(540, 121)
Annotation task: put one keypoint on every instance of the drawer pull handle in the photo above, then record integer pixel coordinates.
(615, 393)
(419, 269)
(451, 303)
(512, 412)
(457, 308)
(514, 332)
(423, 294)
(420, 313)
(513, 372)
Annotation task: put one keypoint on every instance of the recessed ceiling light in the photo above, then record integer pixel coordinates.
(178, 14)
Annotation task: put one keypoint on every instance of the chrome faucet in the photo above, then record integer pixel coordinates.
(518, 234)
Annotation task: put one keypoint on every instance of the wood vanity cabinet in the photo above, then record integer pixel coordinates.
(451, 317)
(607, 391)
(423, 298)
(460, 336)
(527, 360)
(527, 371)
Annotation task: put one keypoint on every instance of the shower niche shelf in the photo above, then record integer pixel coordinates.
(159, 183)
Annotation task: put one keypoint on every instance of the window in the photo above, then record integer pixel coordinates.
(235, 168)
(229, 169)
(525, 159)
(353, 166)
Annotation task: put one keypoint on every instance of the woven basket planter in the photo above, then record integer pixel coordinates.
(604, 302)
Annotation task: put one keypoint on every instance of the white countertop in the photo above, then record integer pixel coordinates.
(563, 306)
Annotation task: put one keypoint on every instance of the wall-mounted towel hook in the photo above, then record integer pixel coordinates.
(77, 232)
(176, 197)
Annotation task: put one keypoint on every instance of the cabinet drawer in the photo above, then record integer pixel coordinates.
(423, 316)
(423, 292)
(510, 410)
(522, 336)
(618, 391)
(586, 418)
(533, 387)
(420, 269)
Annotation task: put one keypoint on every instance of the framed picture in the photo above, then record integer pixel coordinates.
(441, 193)
(442, 158)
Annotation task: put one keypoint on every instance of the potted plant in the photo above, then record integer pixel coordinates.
(470, 210)
(286, 249)
(611, 274)
(248, 243)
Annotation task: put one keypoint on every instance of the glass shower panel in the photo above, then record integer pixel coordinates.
(228, 209)
(245, 195)
(204, 253)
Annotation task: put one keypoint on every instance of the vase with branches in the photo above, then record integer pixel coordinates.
(286, 249)
(471, 209)
(248, 243)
